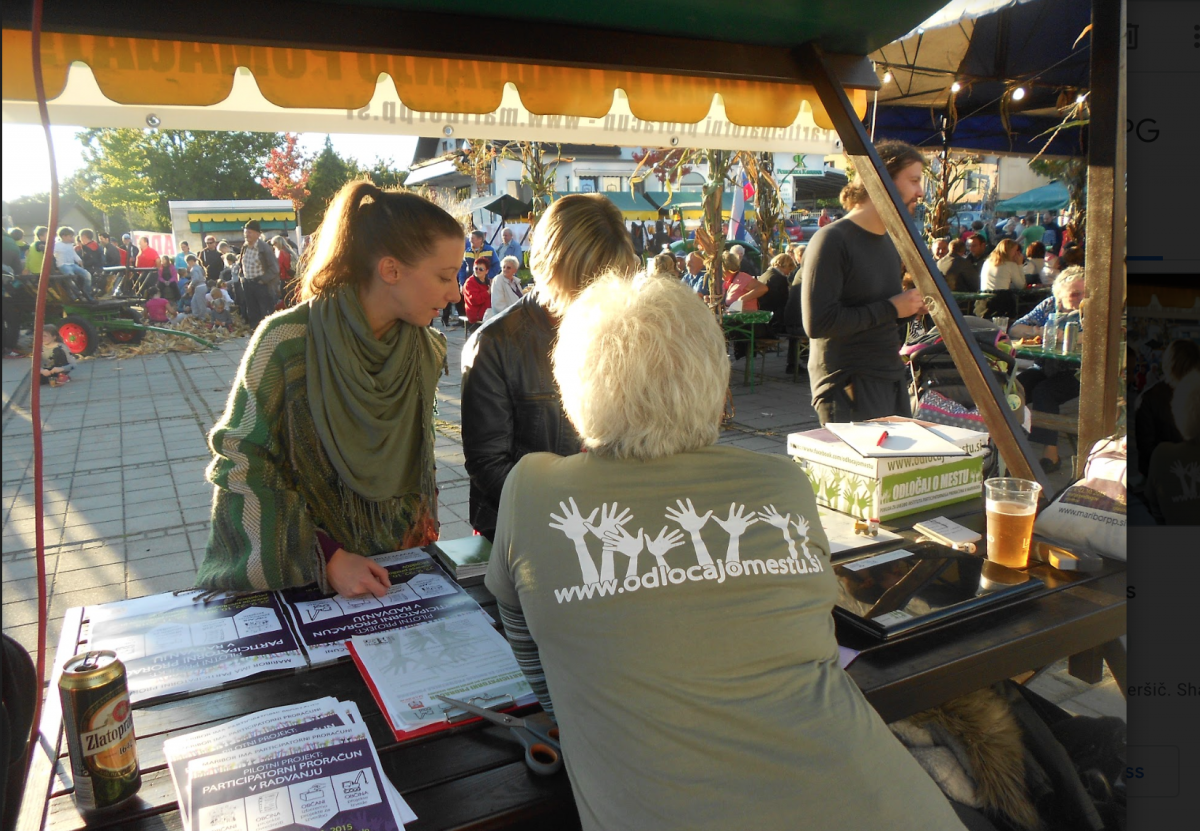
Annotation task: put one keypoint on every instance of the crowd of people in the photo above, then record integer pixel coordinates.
(250, 278)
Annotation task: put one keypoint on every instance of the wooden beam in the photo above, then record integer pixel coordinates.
(1001, 421)
(1100, 384)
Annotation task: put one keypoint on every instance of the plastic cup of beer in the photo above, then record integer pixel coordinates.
(1011, 505)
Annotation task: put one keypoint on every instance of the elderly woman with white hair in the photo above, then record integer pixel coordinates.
(669, 598)
(1052, 383)
(506, 287)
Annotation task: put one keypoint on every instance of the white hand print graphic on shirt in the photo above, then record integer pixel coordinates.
(735, 525)
(621, 541)
(576, 528)
(802, 529)
(692, 522)
(610, 520)
(664, 542)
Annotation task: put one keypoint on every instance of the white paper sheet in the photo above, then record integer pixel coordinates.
(839, 528)
(904, 438)
(460, 657)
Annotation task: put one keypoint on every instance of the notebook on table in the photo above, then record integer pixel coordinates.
(913, 588)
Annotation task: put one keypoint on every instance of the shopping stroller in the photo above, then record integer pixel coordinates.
(937, 390)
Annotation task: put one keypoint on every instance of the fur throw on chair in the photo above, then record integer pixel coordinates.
(974, 749)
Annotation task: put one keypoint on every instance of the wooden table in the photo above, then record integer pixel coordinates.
(474, 776)
(743, 323)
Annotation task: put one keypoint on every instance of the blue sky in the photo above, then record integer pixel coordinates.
(27, 167)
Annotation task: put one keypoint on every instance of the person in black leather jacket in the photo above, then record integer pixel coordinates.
(510, 403)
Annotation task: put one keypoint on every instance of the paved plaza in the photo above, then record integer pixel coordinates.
(127, 507)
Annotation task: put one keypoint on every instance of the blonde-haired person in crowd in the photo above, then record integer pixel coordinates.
(1002, 274)
(510, 403)
(324, 455)
(1003, 269)
(662, 265)
(1050, 383)
(655, 585)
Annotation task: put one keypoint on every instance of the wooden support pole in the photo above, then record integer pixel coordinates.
(1100, 382)
(1001, 421)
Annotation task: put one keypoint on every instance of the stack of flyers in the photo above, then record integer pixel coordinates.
(173, 644)
(420, 592)
(460, 657)
(305, 765)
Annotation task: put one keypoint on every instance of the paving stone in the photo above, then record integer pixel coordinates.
(145, 503)
(25, 568)
(20, 613)
(157, 546)
(93, 515)
(16, 591)
(95, 576)
(93, 531)
(90, 558)
(159, 565)
(61, 601)
(163, 583)
(168, 517)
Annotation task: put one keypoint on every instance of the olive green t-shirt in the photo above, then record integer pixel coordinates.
(691, 660)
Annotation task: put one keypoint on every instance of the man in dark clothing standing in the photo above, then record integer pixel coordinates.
(853, 299)
(112, 254)
(211, 259)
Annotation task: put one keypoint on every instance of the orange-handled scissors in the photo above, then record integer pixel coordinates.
(537, 732)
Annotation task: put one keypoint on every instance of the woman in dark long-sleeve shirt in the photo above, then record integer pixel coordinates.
(852, 299)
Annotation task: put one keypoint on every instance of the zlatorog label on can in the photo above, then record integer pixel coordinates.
(106, 772)
(107, 737)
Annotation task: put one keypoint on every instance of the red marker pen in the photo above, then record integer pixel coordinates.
(882, 437)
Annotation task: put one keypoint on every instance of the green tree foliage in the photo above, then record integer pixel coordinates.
(384, 175)
(117, 173)
(143, 170)
(330, 171)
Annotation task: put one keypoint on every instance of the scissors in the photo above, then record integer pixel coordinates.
(537, 732)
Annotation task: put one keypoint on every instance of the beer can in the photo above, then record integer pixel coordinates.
(98, 723)
(1070, 338)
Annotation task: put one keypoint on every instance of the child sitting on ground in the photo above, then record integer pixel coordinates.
(56, 360)
(157, 308)
(218, 314)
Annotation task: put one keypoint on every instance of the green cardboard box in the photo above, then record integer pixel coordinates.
(890, 487)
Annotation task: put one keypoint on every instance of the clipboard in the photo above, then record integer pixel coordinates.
(903, 438)
(503, 703)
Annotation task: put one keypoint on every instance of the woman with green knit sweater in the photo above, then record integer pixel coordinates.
(324, 455)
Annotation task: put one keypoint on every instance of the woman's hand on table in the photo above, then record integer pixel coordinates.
(353, 575)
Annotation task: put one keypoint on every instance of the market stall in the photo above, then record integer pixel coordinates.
(714, 78)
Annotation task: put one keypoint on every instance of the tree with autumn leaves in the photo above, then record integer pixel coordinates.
(288, 170)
